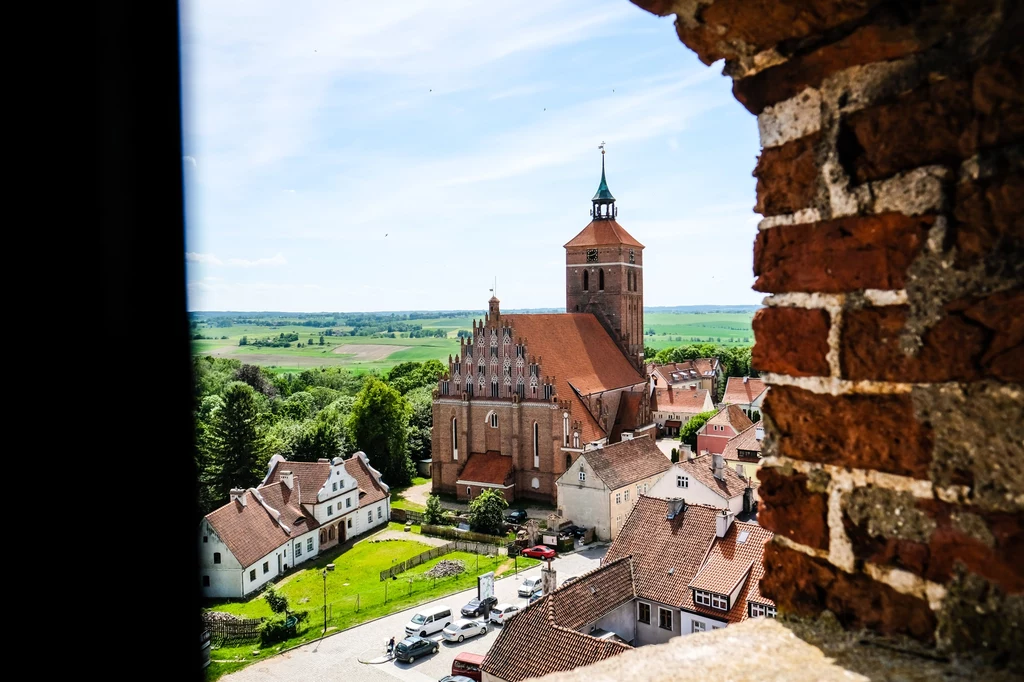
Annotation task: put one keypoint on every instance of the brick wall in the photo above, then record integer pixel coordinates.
(891, 183)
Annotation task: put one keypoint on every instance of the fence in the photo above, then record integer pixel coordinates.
(231, 630)
(406, 516)
(462, 535)
(486, 549)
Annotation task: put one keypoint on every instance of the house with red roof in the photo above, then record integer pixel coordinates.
(527, 394)
(299, 510)
(673, 406)
(705, 373)
(727, 423)
(707, 479)
(746, 393)
(743, 451)
(675, 569)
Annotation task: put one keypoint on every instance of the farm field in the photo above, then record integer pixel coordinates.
(363, 353)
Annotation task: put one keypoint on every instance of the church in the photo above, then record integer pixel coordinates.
(527, 394)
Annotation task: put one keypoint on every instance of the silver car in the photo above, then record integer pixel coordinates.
(502, 612)
(530, 587)
(463, 629)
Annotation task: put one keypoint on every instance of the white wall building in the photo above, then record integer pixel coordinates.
(299, 510)
(698, 482)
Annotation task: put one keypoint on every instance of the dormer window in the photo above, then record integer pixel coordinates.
(758, 610)
(711, 599)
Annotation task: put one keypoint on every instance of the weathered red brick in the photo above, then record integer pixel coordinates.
(847, 254)
(961, 114)
(977, 339)
(989, 544)
(729, 28)
(867, 44)
(787, 176)
(988, 217)
(861, 431)
(791, 341)
(790, 509)
(806, 586)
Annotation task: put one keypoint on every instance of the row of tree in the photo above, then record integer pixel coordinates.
(734, 360)
(244, 415)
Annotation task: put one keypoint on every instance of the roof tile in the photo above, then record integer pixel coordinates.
(490, 467)
(603, 233)
(738, 392)
(627, 461)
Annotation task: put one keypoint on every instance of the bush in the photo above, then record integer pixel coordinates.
(273, 630)
(675, 455)
(277, 602)
(434, 513)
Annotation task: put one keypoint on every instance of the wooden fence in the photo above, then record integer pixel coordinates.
(453, 534)
(231, 630)
(406, 516)
(484, 548)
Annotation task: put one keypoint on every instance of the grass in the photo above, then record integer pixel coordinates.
(355, 593)
(398, 500)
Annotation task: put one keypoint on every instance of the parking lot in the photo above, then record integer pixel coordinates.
(338, 656)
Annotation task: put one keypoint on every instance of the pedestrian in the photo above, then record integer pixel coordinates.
(391, 646)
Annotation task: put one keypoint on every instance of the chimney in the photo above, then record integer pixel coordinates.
(722, 522)
(759, 432)
(718, 467)
(739, 470)
(687, 452)
(238, 494)
(288, 479)
(676, 506)
(547, 576)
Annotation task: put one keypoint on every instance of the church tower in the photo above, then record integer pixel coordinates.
(604, 275)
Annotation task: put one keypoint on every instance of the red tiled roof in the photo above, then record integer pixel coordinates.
(311, 476)
(658, 545)
(603, 233)
(627, 461)
(731, 415)
(627, 415)
(370, 489)
(579, 353)
(700, 468)
(739, 393)
(728, 562)
(543, 638)
(252, 531)
(684, 400)
(490, 467)
(744, 440)
(690, 370)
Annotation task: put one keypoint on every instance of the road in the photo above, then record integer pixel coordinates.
(337, 657)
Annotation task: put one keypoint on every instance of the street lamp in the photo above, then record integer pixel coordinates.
(330, 567)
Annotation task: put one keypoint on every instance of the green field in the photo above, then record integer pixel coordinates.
(366, 353)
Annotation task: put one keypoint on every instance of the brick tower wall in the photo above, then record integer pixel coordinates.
(891, 183)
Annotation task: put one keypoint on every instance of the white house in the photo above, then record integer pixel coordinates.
(675, 405)
(299, 510)
(746, 393)
(698, 481)
(602, 485)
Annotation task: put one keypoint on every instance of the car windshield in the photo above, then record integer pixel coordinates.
(474, 602)
(418, 619)
(403, 647)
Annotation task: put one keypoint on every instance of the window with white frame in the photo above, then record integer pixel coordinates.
(309, 544)
(583, 475)
(758, 610)
(717, 601)
(618, 498)
(565, 427)
(348, 502)
(494, 420)
(369, 516)
(720, 602)
(330, 510)
(335, 487)
(699, 626)
(702, 598)
(575, 439)
(625, 496)
(298, 549)
(380, 513)
(664, 619)
(643, 612)
(252, 574)
(682, 481)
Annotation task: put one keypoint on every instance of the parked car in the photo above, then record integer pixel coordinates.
(429, 621)
(463, 629)
(539, 552)
(502, 612)
(577, 531)
(456, 678)
(530, 587)
(477, 607)
(516, 516)
(411, 648)
(468, 665)
(537, 595)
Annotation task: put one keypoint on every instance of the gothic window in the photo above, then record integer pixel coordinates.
(481, 378)
(547, 391)
(494, 337)
(591, 255)
(533, 372)
(494, 385)
(508, 336)
(458, 367)
(481, 369)
(586, 281)
(508, 380)
(533, 385)
(455, 438)
(521, 388)
(480, 339)
(519, 365)
(469, 385)
(494, 365)
(444, 388)
(469, 355)
(507, 365)
(494, 351)
(565, 428)
(456, 378)
(494, 420)
(536, 446)
(600, 279)
(575, 439)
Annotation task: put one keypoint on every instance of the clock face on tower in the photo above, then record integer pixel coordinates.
(591, 255)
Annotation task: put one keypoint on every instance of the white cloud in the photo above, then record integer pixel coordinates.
(277, 259)
(204, 258)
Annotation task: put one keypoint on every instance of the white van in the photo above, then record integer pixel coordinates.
(429, 621)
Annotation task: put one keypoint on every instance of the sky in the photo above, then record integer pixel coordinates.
(358, 156)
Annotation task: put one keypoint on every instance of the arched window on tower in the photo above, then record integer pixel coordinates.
(586, 281)
(536, 446)
(600, 279)
(565, 428)
(455, 438)
(575, 439)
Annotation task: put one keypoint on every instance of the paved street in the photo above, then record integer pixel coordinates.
(666, 445)
(337, 657)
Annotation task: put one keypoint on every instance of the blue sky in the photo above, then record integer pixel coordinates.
(355, 156)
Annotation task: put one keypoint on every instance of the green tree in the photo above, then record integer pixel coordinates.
(755, 417)
(318, 439)
(434, 513)
(649, 353)
(378, 424)
(244, 341)
(688, 434)
(258, 378)
(486, 513)
(277, 602)
(300, 405)
(675, 455)
(421, 421)
(237, 443)
(321, 339)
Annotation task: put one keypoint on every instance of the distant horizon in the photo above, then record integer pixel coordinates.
(708, 307)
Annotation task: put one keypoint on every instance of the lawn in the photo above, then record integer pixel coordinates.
(398, 500)
(355, 593)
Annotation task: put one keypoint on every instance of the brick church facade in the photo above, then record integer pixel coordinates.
(527, 394)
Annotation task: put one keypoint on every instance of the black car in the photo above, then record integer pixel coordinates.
(576, 531)
(411, 648)
(479, 607)
(516, 516)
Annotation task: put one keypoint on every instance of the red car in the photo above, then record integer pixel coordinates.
(539, 552)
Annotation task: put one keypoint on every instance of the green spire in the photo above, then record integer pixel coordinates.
(603, 193)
